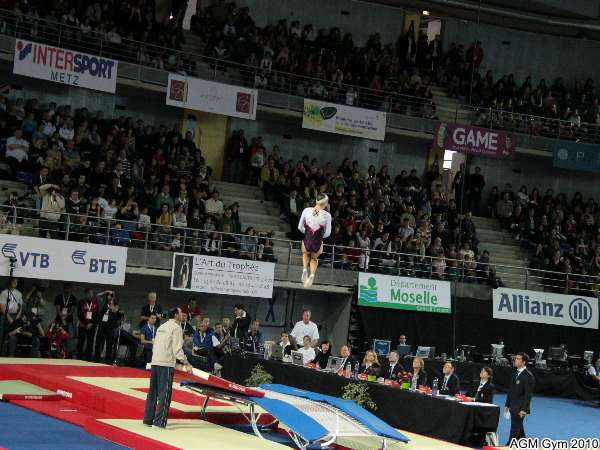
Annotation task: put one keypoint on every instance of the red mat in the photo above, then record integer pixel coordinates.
(82, 403)
(186, 398)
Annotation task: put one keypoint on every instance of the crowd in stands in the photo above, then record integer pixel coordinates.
(325, 63)
(376, 215)
(117, 181)
(562, 235)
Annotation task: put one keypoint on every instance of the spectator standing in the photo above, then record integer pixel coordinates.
(66, 306)
(241, 323)
(147, 335)
(88, 312)
(305, 327)
(476, 183)
(152, 307)
(108, 328)
(11, 309)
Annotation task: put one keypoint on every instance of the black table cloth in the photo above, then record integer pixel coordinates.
(429, 416)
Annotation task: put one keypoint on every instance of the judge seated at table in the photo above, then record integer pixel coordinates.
(392, 367)
(450, 383)
(370, 364)
(484, 391)
(286, 346)
(348, 358)
(323, 357)
(308, 352)
(593, 374)
(419, 377)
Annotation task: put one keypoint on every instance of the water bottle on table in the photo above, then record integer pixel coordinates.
(434, 386)
(413, 384)
(348, 370)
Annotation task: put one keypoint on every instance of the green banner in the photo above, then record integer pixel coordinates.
(410, 294)
(577, 156)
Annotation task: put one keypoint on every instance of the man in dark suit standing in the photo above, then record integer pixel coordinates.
(450, 383)
(392, 368)
(519, 396)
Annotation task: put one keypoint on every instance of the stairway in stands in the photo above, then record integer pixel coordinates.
(504, 250)
(447, 108)
(262, 216)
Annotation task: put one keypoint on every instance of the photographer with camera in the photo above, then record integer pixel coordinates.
(108, 328)
(58, 340)
(11, 309)
(53, 206)
(25, 331)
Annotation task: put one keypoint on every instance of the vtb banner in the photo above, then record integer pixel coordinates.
(475, 140)
(341, 119)
(64, 66)
(412, 294)
(545, 307)
(51, 259)
(212, 97)
(216, 275)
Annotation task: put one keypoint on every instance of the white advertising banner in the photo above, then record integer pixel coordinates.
(210, 96)
(545, 307)
(228, 276)
(52, 259)
(64, 66)
(341, 119)
(411, 294)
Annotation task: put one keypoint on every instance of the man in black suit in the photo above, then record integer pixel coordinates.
(450, 383)
(519, 396)
(392, 368)
(348, 358)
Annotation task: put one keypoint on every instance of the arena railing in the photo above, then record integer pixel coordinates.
(146, 56)
(151, 246)
(151, 64)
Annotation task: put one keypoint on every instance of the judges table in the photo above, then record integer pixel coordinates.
(566, 384)
(411, 411)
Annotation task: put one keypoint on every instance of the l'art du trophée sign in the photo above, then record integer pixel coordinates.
(412, 294)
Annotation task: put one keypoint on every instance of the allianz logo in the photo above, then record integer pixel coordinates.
(579, 309)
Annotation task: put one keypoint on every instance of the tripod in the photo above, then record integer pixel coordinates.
(121, 320)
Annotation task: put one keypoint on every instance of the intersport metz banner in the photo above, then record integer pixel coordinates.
(64, 66)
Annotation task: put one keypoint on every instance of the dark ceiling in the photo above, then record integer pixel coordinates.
(529, 15)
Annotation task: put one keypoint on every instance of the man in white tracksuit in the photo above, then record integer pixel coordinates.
(167, 349)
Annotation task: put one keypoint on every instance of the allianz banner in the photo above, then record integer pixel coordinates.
(545, 307)
(64, 66)
(212, 97)
(412, 294)
(52, 259)
(341, 119)
(228, 276)
(576, 156)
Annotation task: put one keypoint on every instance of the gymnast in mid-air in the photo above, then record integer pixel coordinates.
(315, 224)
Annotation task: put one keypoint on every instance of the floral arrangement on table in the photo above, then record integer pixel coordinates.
(359, 394)
(258, 376)
(404, 378)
